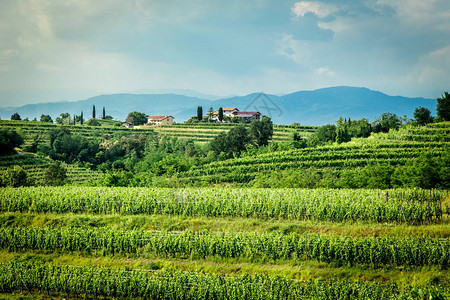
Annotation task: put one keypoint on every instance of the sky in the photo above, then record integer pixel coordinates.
(54, 50)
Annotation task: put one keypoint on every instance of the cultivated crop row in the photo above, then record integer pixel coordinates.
(407, 205)
(168, 284)
(256, 247)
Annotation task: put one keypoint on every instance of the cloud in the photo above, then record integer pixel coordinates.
(321, 10)
(325, 72)
(396, 46)
(294, 49)
(47, 68)
(432, 68)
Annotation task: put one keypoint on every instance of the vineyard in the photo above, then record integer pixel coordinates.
(185, 285)
(35, 167)
(200, 133)
(32, 130)
(220, 242)
(409, 206)
(199, 263)
(205, 132)
(394, 148)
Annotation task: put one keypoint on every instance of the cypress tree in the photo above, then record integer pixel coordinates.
(93, 111)
(81, 119)
(220, 114)
(199, 113)
(103, 116)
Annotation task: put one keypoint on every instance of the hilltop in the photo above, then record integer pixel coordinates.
(316, 107)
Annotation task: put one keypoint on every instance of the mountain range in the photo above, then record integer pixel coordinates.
(318, 107)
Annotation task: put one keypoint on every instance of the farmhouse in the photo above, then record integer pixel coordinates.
(128, 125)
(229, 111)
(248, 116)
(160, 120)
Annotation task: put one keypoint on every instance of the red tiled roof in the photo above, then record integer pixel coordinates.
(157, 118)
(229, 109)
(250, 113)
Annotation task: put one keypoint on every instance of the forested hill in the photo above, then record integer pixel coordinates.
(317, 107)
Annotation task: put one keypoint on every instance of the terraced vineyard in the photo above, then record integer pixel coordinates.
(200, 133)
(205, 132)
(35, 167)
(393, 148)
(31, 130)
(114, 242)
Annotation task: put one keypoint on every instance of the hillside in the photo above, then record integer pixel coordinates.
(152, 242)
(394, 148)
(32, 130)
(317, 107)
(205, 132)
(199, 133)
(35, 167)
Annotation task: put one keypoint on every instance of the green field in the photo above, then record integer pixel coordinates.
(223, 243)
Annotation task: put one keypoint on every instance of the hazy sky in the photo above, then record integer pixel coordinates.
(71, 49)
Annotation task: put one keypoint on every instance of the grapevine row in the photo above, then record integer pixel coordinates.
(168, 284)
(320, 204)
(342, 250)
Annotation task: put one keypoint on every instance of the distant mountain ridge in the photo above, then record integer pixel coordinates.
(318, 107)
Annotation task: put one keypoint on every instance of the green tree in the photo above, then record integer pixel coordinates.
(386, 121)
(261, 131)
(70, 148)
(103, 114)
(199, 113)
(137, 118)
(443, 107)
(81, 119)
(63, 118)
(210, 113)
(422, 115)
(9, 139)
(427, 171)
(55, 174)
(323, 135)
(233, 142)
(172, 165)
(93, 111)
(238, 139)
(362, 128)
(342, 134)
(16, 117)
(93, 122)
(14, 177)
(46, 118)
(117, 178)
(220, 116)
